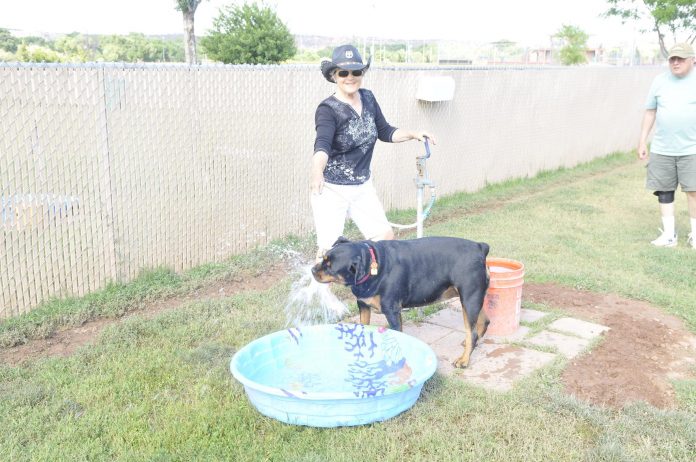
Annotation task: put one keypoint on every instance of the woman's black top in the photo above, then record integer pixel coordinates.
(348, 138)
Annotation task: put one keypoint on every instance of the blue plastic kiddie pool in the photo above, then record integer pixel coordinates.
(334, 374)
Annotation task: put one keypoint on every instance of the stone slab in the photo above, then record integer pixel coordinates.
(429, 333)
(584, 329)
(516, 336)
(496, 364)
(376, 319)
(448, 318)
(527, 315)
(453, 304)
(497, 367)
(566, 345)
(447, 349)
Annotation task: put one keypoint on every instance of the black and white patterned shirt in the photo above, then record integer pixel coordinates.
(348, 138)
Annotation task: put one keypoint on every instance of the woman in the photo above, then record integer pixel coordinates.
(348, 124)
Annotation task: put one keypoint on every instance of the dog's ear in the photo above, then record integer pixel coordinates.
(361, 268)
(340, 240)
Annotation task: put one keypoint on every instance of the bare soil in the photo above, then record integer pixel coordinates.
(66, 341)
(635, 360)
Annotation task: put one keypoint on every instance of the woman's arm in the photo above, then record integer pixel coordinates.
(401, 135)
(316, 180)
(325, 124)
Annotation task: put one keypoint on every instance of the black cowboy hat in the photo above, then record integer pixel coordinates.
(344, 57)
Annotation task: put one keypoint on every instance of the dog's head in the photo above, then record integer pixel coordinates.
(346, 263)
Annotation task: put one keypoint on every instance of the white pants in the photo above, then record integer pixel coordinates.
(338, 202)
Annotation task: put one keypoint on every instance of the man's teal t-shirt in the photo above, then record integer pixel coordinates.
(675, 124)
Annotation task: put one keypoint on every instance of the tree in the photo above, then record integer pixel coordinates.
(7, 41)
(188, 9)
(77, 47)
(168, 50)
(503, 49)
(678, 17)
(249, 34)
(135, 47)
(37, 54)
(574, 46)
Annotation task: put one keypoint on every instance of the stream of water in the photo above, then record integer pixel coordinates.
(311, 302)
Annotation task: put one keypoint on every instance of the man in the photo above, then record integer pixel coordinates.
(671, 106)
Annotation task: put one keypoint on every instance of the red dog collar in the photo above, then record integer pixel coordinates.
(374, 267)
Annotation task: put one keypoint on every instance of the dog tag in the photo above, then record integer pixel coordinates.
(373, 268)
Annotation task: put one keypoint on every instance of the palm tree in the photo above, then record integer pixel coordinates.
(188, 9)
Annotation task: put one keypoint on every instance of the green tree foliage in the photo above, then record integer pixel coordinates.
(11, 44)
(37, 54)
(386, 53)
(249, 34)
(80, 48)
(504, 50)
(7, 41)
(40, 41)
(574, 46)
(168, 50)
(676, 17)
(138, 48)
(77, 47)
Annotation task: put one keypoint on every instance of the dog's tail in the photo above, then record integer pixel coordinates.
(484, 248)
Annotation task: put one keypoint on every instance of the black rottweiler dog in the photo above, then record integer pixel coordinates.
(390, 275)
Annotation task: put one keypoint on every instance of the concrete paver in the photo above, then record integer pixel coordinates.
(584, 329)
(495, 363)
(447, 349)
(498, 361)
(448, 318)
(429, 333)
(497, 367)
(516, 336)
(376, 319)
(527, 315)
(566, 345)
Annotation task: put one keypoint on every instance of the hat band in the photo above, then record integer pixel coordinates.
(348, 62)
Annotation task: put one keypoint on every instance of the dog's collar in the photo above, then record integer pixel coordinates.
(374, 267)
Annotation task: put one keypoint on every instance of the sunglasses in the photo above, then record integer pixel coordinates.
(344, 73)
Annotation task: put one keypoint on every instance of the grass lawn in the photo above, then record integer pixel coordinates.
(159, 388)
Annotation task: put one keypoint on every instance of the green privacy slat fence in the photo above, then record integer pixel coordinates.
(107, 169)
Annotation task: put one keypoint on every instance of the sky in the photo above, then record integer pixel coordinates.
(529, 22)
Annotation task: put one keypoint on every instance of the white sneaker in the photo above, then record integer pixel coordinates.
(691, 240)
(665, 240)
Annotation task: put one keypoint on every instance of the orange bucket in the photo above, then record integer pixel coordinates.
(503, 301)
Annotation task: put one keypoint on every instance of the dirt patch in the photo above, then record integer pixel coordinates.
(635, 360)
(65, 342)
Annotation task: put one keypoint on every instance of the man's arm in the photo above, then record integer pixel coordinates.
(645, 127)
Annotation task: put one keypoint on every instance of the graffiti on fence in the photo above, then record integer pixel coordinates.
(23, 211)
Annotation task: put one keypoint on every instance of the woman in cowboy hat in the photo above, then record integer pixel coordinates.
(348, 124)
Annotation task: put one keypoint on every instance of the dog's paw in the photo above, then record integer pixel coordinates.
(461, 363)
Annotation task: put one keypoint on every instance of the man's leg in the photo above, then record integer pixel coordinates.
(668, 238)
(687, 179)
(691, 201)
(663, 179)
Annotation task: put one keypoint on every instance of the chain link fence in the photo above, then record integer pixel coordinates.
(107, 169)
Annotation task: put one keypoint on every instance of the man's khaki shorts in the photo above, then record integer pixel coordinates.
(666, 172)
(338, 202)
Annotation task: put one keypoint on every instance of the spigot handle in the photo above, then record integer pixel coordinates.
(427, 147)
